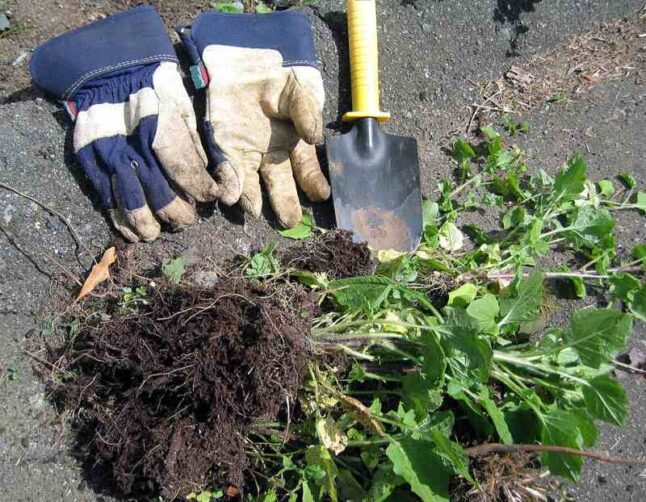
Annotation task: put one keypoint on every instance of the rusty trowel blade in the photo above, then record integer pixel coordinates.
(375, 186)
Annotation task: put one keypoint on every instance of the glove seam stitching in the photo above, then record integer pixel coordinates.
(83, 78)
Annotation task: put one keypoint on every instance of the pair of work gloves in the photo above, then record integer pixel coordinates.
(135, 132)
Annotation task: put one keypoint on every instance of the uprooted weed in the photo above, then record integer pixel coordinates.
(164, 395)
(333, 253)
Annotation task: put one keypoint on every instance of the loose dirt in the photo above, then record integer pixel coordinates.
(162, 397)
(333, 253)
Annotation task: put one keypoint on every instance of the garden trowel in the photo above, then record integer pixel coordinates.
(375, 175)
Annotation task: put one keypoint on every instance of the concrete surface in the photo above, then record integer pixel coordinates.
(430, 51)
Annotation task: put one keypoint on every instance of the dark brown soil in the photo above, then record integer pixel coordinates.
(162, 398)
(333, 253)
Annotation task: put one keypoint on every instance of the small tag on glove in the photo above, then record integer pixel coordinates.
(70, 108)
(199, 75)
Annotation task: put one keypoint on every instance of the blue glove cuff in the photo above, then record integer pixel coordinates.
(130, 38)
(288, 32)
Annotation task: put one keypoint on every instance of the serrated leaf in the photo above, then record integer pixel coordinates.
(597, 334)
(362, 293)
(468, 354)
(624, 286)
(592, 227)
(606, 400)
(559, 428)
(570, 182)
(173, 268)
(301, 231)
(415, 461)
(525, 306)
(453, 453)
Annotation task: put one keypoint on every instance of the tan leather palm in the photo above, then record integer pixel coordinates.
(266, 119)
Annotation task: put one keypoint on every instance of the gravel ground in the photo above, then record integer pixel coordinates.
(432, 53)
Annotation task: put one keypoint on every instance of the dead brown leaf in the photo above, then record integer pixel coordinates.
(99, 273)
(361, 413)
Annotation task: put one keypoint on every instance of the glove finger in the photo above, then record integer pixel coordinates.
(101, 182)
(230, 176)
(306, 103)
(277, 174)
(175, 139)
(307, 172)
(117, 157)
(163, 200)
(178, 155)
(251, 198)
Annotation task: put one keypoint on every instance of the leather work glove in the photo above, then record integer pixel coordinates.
(264, 104)
(135, 129)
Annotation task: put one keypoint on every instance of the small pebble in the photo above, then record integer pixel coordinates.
(4, 22)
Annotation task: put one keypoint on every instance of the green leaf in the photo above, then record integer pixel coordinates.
(514, 217)
(468, 355)
(585, 423)
(557, 97)
(173, 268)
(624, 286)
(525, 306)
(227, 7)
(570, 182)
(384, 483)
(497, 417)
(485, 310)
(301, 231)
(463, 296)
(640, 201)
(462, 153)
(579, 287)
(597, 334)
(606, 400)
(420, 395)
(263, 8)
(628, 180)
(592, 227)
(453, 453)
(263, 263)
(367, 293)
(559, 428)
(349, 488)
(607, 188)
(319, 456)
(430, 212)
(638, 304)
(451, 238)
(307, 493)
(415, 461)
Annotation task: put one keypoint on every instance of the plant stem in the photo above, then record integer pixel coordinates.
(486, 449)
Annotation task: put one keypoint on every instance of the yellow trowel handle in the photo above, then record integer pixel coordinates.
(364, 61)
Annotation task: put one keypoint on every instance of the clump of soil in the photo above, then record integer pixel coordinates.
(333, 253)
(163, 398)
(506, 477)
